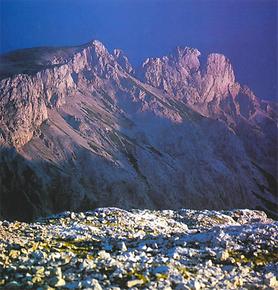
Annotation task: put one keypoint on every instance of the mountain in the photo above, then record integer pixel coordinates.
(81, 128)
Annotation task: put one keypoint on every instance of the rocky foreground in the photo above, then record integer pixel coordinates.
(110, 248)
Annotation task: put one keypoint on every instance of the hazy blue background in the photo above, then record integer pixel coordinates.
(245, 31)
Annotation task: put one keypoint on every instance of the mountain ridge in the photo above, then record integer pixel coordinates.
(91, 113)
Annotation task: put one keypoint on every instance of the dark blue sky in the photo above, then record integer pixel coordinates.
(245, 31)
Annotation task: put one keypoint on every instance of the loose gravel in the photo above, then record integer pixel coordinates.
(110, 248)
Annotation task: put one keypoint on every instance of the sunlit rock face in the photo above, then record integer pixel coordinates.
(213, 91)
(90, 130)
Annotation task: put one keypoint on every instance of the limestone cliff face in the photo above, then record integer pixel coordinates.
(25, 98)
(172, 73)
(90, 130)
(181, 76)
(214, 92)
(23, 109)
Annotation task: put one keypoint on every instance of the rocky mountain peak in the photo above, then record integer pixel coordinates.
(89, 130)
(122, 60)
(188, 57)
(91, 55)
(96, 43)
(98, 48)
(185, 50)
(220, 67)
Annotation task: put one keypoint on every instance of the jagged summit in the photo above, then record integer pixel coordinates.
(90, 130)
(95, 43)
